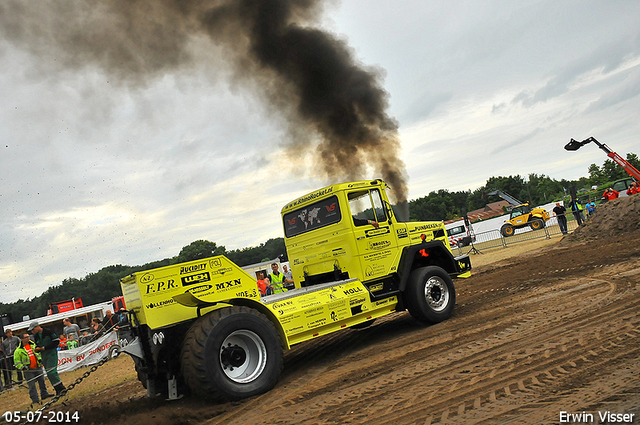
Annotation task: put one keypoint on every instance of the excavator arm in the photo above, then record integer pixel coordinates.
(510, 199)
(574, 145)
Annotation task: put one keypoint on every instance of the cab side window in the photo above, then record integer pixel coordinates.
(366, 205)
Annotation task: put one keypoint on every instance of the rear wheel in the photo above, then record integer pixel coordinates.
(507, 230)
(234, 352)
(430, 294)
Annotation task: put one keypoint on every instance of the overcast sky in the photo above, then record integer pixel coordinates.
(96, 172)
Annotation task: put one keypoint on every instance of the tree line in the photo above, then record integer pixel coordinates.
(104, 284)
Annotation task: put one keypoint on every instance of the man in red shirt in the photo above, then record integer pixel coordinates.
(262, 285)
(610, 194)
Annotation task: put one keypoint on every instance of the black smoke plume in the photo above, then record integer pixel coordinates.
(335, 108)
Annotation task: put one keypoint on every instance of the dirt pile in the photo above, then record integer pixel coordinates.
(612, 219)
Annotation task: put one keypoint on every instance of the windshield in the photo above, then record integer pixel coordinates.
(456, 230)
(367, 205)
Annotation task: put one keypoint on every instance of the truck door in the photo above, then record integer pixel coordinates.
(375, 246)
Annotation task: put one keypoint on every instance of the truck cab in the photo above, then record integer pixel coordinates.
(349, 230)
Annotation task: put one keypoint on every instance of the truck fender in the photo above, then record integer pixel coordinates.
(435, 248)
(190, 300)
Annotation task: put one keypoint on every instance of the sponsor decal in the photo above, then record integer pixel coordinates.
(331, 207)
(196, 278)
(247, 294)
(357, 301)
(379, 244)
(310, 197)
(161, 286)
(160, 303)
(382, 302)
(146, 278)
(352, 291)
(201, 288)
(193, 268)
(376, 287)
(377, 232)
(215, 263)
(310, 304)
(222, 270)
(282, 304)
(317, 323)
(427, 227)
(402, 233)
(228, 284)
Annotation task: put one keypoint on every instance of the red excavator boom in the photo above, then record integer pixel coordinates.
(574, 145)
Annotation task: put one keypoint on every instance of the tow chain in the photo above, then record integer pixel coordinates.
(69, 388)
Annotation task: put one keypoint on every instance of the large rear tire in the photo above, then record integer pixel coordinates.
(430, 294)
(232, 353)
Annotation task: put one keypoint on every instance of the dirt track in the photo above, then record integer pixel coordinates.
(555, 330)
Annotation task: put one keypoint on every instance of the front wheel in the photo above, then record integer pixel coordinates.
(430, 294)
(233, 352)
(537, 224)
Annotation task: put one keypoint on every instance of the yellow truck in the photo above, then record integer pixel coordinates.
(202, 327)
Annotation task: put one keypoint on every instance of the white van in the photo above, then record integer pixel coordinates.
(458, 234)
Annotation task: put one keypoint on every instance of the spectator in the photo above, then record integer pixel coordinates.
(97, 330)
(63, 343)
(560, 211)
(591, 207)
(633, 188)
(576, 208)
(267, 282)
(262, 285)
(122, 317)
(9, 346)
(26, 359)
(610, 194)
(3, 368)
(288, 277)
(71, 329)
(86, 338)
(72, 342)
(110, 322)
(277, 279)
(46, 345)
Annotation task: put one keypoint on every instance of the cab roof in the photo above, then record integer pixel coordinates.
(320, 193)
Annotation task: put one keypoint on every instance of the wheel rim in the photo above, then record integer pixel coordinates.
(243, 356)
(508, 231)
(436, 292)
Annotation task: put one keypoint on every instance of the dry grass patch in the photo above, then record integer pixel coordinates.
(114, 372)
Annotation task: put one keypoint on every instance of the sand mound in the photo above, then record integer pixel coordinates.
(611, 219)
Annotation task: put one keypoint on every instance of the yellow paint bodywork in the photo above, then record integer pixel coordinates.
(173, 294)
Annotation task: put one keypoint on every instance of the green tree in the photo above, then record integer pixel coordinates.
(198, 250)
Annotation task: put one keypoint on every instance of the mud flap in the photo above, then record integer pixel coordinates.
(463, 265)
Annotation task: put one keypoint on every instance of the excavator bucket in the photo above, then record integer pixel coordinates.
(574, 145)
